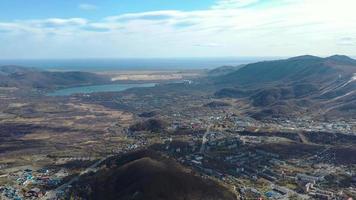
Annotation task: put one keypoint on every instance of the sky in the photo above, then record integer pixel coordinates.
(175, 28)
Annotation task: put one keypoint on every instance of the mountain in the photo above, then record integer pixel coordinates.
(342, 59)
(298, 69)
(22, 77)
(224, 70)
(328, 84)
(146, 175)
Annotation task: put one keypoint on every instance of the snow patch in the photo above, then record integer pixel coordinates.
(354, 77)
(347, 94)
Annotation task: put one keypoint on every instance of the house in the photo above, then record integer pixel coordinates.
(308, 178)
(34, 192)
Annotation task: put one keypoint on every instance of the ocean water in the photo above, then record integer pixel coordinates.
(131, 64)
(98, 88)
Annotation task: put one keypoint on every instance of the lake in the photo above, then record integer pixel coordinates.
(98, 88)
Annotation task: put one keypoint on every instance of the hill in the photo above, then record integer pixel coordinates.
(22, 77)
(148, 114)
(217, 104)
(224, 70)
(327, 84)
(298, 69)
(150, 125)
(145, 175)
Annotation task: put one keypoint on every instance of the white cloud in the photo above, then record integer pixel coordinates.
(207, 45)
(293, 28)
(153, 15)
(347, 41)
(86, 6)
(230, 4)
(56, 22)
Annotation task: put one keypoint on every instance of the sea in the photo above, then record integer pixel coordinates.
(132, 64)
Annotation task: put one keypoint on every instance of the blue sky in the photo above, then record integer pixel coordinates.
(175, 28)
(35, 9)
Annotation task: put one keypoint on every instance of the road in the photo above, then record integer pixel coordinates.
(52, 195)
(303, 138)
(205, 140)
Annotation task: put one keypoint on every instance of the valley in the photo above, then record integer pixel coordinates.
(283, 129)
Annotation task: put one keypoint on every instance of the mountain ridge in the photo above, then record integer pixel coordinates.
(23, 77)
(325, 83)
(291, 69)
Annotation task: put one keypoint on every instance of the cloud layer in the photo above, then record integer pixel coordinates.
(229, 4)
(229, 28)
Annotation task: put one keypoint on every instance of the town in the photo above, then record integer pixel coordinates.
(226, 148)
